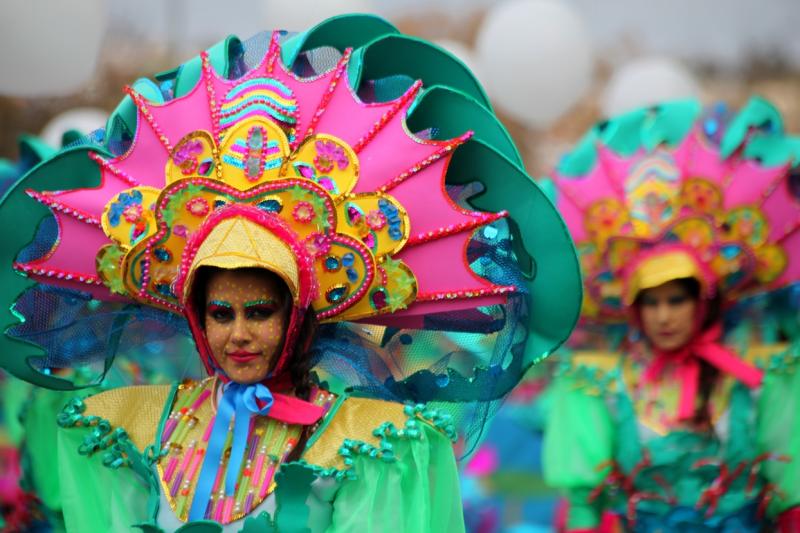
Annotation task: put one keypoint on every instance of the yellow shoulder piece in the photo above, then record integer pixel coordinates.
(605, 361)
(135, 409)
(760, 354)
(593, 370)
(355, 419)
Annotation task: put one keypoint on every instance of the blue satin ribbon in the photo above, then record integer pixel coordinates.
(240, 402)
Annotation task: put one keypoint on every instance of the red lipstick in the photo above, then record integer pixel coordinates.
(243, 356)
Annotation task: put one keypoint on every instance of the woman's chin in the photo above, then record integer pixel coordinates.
(246, 374)
(670, 345)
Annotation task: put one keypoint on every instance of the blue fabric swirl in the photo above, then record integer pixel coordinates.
(240, 402)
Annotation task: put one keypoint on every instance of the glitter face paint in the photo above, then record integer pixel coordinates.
(245, 322)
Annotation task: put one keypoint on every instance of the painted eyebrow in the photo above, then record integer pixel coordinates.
(254, 303)
(220, 303)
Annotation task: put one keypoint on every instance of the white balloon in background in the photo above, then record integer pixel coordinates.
(49, 47)
(299, 15)
(645, 82)
(462, 52)
(536, 59)
(84, 119)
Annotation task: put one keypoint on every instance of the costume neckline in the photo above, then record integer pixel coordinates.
(183, 440)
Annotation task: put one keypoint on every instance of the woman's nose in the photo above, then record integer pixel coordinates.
(240, 334)
(663, 313)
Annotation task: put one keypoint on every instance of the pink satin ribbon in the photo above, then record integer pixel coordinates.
(287, 408)
(705, 346)
(294, 410)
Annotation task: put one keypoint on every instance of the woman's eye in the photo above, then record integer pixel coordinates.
(220, 314)
(260, 312)
(677, 300)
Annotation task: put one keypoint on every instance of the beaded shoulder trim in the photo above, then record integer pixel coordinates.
(101, 435)
(362, 426)
(137, 409)
(597, 372)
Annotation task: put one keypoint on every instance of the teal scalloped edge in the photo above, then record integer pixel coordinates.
(101, 437)
(757, 129)
(594, 380)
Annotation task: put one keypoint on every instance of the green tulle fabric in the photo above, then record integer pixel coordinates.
(40, 463)
(417, 493)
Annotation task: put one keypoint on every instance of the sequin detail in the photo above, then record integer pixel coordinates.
(184, 442)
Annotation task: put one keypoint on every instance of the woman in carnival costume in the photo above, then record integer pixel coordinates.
(303, 202)
(686, 221)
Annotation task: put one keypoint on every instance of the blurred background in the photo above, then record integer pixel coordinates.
(551, 68)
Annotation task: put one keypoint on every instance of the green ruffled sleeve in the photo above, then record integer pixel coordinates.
(95, 497)
(41, 463)
(413, 488)
(578, 439)
(15, 394)
(106, 475)
(778, 430)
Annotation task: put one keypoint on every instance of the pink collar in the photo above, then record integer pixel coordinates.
(707, 347)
